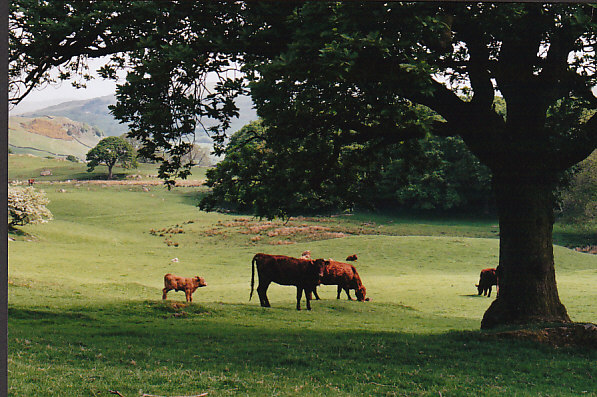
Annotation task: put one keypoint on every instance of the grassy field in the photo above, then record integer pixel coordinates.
(86, 315)
(23, 167)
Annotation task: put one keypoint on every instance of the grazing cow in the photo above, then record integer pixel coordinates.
(345, 276)
(284, 270)
(186, 284)
(352, 257)
(487, 279)
(306, 255)
(31, 181)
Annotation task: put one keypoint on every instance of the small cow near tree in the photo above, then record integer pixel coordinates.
(487, 279)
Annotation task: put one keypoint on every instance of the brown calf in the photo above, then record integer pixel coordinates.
(352, 257)
(285, 270)
(345, 276)
(186, 284)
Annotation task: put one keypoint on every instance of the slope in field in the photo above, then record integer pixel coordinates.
(55, 136)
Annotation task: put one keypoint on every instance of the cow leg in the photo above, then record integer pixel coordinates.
(315, 293)
(339, 290)
(165, 293)
(299, 295)
(308, 298)
(489, 294)
(348, 293)
(262, 292)
(189, 295)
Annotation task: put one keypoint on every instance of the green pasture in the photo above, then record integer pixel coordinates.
(86, 314)
(23, 167)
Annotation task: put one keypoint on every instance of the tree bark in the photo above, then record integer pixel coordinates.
(526, 276)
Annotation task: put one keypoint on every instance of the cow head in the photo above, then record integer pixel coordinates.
(479, 289)
(360, 293)
(199, 282)
(319, 265)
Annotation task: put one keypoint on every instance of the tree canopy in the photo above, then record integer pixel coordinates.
(327, 76)
(110, 151)
(427, 173)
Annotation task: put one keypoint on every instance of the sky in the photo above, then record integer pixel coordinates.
(64, 92)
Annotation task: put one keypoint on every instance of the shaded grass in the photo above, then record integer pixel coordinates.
(227, 349)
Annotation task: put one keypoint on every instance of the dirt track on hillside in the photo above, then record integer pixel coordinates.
(135, 182)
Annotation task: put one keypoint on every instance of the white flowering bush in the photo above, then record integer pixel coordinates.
(26, 205)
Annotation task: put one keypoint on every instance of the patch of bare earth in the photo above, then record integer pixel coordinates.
(168, 232)
(583, 335)
(48, 128)
(296, 229)
(146, 182)
(589, 249)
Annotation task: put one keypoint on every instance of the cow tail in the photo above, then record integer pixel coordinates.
(252, 276)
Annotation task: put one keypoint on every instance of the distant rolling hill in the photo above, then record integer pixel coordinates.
(95, 112)
(91, 111)
(51, 136)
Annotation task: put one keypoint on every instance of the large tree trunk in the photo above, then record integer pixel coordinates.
(526, 275)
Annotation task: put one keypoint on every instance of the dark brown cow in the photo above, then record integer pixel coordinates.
(284, 270)
(186, 284)
(487, 279)
(345, 276)
(352, 257)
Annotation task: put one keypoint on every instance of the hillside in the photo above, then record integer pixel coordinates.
(51, 136)
(91, 111)
(95, 112)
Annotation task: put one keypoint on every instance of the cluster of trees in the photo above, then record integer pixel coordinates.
(335, 82)
(427, 173)
(578, 199)
(124, 151)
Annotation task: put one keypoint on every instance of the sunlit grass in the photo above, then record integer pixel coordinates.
(86, 315)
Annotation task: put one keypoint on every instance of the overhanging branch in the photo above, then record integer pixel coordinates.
(577, 148)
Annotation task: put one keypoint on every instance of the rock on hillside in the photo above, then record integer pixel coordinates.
(56, 136)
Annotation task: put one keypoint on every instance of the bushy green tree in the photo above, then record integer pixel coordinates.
(27, 205)
(430, 173)
(110, 151)
(72, 158)
(578, 201)
(434, 173)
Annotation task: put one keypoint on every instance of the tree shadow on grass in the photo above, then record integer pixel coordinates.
(266, 352)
